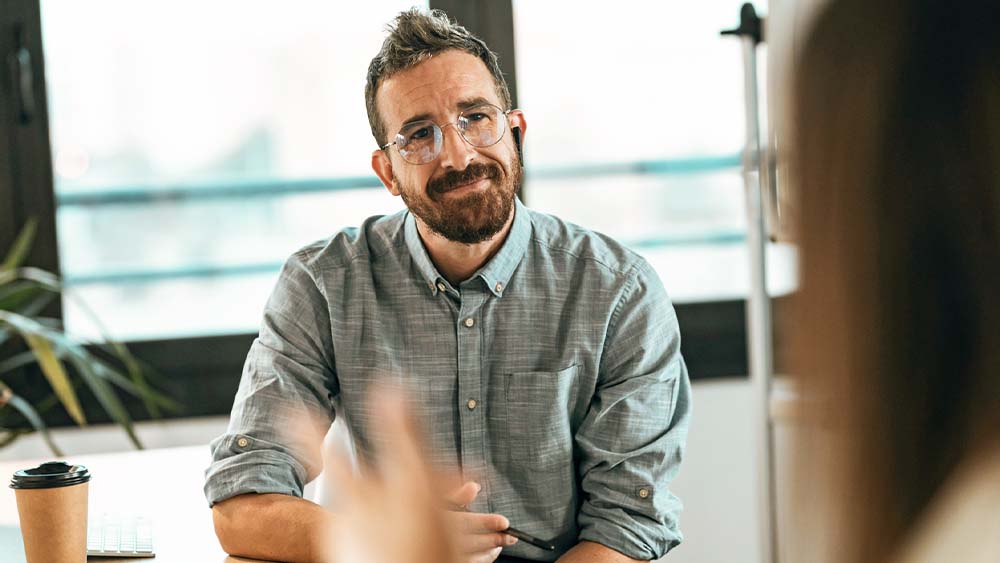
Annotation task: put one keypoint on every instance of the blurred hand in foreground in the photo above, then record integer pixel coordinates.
(392, 513)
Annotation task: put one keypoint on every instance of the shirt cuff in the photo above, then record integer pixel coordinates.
(243, 465)
(629, 533)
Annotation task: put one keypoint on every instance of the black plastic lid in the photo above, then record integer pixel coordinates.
(50, 475)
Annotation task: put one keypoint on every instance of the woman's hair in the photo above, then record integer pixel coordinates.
(896, 116)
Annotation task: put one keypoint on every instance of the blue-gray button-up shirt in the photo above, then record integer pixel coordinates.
(553, 377)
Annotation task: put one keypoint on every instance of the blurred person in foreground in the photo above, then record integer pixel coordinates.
(392, 511)
(897, 140)
(545, 357)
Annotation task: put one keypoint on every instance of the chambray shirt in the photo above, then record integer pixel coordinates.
(553, 377)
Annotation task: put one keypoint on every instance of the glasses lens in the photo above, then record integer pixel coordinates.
(419, 142)
(482, 126)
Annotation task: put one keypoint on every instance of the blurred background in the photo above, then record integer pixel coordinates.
(187, 148)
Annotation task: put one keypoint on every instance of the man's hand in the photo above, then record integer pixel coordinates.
(479, 537)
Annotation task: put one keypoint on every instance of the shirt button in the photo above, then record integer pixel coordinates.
(441, 286)
(471, 404)
(242, 442)
(643, 492)
(470, 322)
(499, 287)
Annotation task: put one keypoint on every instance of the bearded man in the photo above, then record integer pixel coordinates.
(543, 359)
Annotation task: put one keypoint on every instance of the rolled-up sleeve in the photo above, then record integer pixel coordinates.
(284, 404)
(632, 440)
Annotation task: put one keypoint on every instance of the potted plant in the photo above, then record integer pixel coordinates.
(64, 362)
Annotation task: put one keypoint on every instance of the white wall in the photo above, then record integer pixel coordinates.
(716, 483)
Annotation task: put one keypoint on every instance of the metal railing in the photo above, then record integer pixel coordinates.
(273, 188)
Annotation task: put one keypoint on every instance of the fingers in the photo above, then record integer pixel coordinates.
(487, 557)
(475, 523)
(479, 537)
(402, 453)
(464, 495)
(481, 543)
(488, 523)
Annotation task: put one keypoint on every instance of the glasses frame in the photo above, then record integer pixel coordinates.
(506, 126)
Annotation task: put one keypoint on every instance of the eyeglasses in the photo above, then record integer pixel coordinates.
(481, 126)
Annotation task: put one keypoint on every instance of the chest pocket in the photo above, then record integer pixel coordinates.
(538, 418)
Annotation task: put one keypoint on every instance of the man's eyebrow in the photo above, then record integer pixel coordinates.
(419, 117)
(462, 105)
(472, 102)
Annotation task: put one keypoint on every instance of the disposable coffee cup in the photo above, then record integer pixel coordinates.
(52, 506)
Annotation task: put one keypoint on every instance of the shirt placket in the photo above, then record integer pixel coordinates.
(471, 395)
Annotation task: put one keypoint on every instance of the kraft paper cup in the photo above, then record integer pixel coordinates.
(52, 506)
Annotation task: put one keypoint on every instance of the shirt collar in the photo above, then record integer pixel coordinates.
(496, 273)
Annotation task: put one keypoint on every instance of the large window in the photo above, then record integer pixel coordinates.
(197, 144)
(636, 123)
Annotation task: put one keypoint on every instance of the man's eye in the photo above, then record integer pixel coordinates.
(478, 116)
(418, 134)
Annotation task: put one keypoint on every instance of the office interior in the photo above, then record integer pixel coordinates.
(177, 152)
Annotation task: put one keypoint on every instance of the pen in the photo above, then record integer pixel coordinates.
(512, 531)
(530, 539)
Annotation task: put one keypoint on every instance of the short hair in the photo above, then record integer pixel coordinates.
(415, 36)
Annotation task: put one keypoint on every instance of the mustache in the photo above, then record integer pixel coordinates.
(471, 173)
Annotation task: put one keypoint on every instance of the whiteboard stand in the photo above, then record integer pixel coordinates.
(759, 323)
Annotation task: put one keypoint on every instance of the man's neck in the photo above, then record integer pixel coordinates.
(457, 261)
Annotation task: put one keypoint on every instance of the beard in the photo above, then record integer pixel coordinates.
(475, 217)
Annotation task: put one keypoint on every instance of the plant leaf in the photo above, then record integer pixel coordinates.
(26, 298)
(14, 294)
(19, 251)
(11, 436)
(16, 361)
(54, 371)
(142, 389)
(114, 376)
(105, 394)
(35, 306)
(46, 279)
(39, 339)
(20, 405)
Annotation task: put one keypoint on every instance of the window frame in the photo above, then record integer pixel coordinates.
(203, 373)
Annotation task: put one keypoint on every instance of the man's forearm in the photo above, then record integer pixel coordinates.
(273, 526)
(591, 552)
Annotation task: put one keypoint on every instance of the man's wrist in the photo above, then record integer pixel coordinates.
(592, 552)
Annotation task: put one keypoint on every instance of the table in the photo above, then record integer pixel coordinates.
(164, 484)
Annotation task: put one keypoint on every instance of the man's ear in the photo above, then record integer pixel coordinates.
(383, 169)
(517, 121)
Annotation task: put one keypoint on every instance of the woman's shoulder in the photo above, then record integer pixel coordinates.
(963, 521)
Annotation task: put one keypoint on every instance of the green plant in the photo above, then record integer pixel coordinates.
(24, 294)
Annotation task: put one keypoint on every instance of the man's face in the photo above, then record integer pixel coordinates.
(467, 193)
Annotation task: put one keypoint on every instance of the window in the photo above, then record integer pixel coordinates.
(196, 145)
(635, 127)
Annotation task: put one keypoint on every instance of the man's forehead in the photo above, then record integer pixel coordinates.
(441, 83)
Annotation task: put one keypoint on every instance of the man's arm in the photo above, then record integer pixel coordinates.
(274, 527)
(282, 410)
(631, 441)
(590, 552)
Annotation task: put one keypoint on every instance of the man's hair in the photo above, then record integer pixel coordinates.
(415, 36)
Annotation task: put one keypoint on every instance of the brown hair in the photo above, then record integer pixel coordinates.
(897, 133)
(415, 36)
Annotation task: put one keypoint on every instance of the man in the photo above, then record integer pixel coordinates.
(543, 359)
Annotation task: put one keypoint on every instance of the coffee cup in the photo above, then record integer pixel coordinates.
(52, 507)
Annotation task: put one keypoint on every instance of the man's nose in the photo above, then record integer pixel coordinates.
(455, 152)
